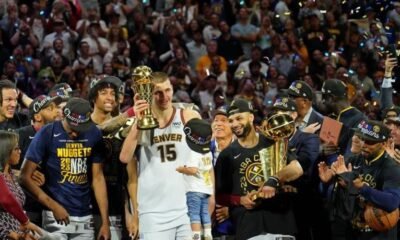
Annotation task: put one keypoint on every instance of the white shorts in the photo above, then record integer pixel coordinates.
(81, 228)
(270, 236)
(182, 232)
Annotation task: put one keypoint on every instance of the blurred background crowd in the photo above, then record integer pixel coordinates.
(213, 51)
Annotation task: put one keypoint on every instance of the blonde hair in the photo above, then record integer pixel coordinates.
(159, 77)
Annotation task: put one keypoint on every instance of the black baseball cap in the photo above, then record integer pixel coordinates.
(240, 106)
(284, 104)
(335, 87)
(109, 81)
(371, 130)
(300, 89)
(41, 102)
(198, 135)
(114, 81)
(77, 114)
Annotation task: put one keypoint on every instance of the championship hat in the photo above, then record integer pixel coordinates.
(198, 135)
(77, 114)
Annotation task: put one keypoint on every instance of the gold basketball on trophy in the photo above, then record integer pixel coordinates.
(142, 83)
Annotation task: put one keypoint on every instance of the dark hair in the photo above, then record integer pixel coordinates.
(8, 140)
(94, 92)
(5, 84)
(254, 64)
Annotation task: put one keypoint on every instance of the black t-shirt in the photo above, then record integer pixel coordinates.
(115, 175)
(26, 135)
(19, 120)
(238, 171)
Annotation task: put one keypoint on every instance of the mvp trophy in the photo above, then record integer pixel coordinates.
(143, 85)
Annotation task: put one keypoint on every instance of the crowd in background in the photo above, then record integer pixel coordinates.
(213, 51)
(307, 58)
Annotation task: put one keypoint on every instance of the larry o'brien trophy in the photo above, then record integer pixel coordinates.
(142, 83)
(279, 127)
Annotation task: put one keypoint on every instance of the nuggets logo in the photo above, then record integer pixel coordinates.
(254, 174)
(73, 160)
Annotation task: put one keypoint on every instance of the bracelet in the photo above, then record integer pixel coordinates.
(272, 182)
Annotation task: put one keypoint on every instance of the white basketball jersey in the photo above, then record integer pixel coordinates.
(161, 189)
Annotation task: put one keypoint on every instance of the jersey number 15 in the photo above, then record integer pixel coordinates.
(167, 152)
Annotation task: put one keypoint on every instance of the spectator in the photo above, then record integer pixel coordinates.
(212, 31)
(98, 46)
(92, 15)
(204, 62)
(256, 56)
(66, 34)
(226, 42)
(196, 49)
(244, 32)
(24, 35)
(283, 60)
(316, 37)
(85, 63)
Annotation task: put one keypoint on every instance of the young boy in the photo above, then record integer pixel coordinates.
(199, 176)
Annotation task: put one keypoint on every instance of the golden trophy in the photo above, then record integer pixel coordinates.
(278, 127)
(142, 83)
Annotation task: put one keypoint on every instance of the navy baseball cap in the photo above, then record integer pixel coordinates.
(300, 89)
(77, 114)
(371, 130)
(284, 104)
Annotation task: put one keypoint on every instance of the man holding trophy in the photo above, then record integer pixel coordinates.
(158, 139)
(254, 198)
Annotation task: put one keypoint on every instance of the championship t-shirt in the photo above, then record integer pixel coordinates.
(67, 165)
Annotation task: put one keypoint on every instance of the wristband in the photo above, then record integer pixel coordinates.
(272, 182)
(130, 112)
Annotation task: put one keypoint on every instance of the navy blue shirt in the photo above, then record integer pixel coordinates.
(67, 164)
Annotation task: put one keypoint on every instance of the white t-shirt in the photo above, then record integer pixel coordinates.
(202, 181)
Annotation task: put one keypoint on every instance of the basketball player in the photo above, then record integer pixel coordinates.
(70, 152)
(239, 172)
(161, 193)
(103, 96)
(371, 177)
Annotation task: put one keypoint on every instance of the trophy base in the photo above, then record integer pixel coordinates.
(147, 123)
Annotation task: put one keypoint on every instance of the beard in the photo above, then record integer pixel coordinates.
(245, 132)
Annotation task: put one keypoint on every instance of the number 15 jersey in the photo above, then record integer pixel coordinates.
(161, 189)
